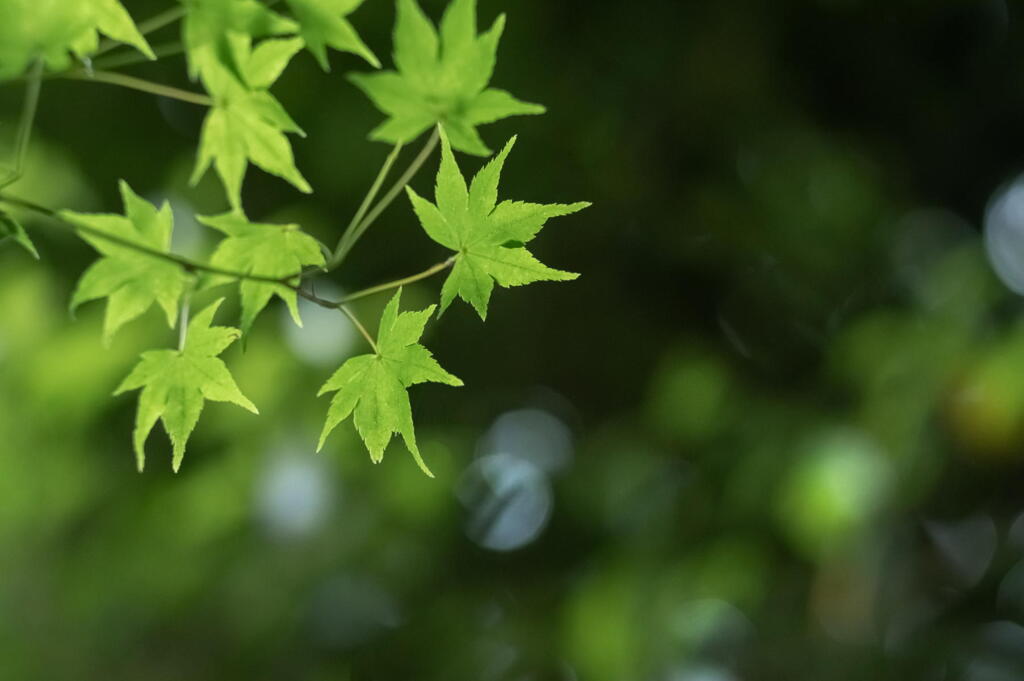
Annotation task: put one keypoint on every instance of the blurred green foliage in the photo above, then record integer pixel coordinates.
(773, 432)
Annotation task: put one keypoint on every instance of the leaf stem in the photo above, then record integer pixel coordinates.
(183, 319)
(359, 325)
(367, 200)
(386, 200)
(131, 82)
(429, 272)
(131, 58)
(25, 123)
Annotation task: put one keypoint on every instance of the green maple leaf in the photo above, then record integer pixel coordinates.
(269, 250)
(175, 384)
(246, 122)
(12, 229)
(374, 387)
(441, 79)
(322, 24)
(210, 27)
(50, 29)
(131, 281)
(488, 237)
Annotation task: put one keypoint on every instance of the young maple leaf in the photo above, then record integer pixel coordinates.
(175, 384)
(209, 27)
(269, 250)
(246, 122)
(322, 24)
(488, 239)
(50, 29)
(441, 80)
(374, 387)
(130, 280)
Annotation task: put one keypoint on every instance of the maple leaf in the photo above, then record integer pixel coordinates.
(488, 237)
(50, 29)
(175, 384)
(130, 280)
(268, 250)
(246, 122)
(12, 229)
(441, 79)
(210, 27)
(322, 24)
(374, 387)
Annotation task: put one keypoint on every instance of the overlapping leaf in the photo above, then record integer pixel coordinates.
(373, 388)
(176, 383)
(322, 24)
(211, 27)
(441, 78)
(246, 122)
(130, 279)
(268, 250)
(488, 237)
(51, 29)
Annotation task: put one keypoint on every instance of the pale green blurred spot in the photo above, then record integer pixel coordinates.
(833, 492)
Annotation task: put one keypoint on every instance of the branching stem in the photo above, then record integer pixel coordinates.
(371, 216)
(193, 266)
(26, 123)
(343, 242)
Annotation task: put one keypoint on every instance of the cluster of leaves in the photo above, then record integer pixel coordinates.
(54, 30)
(237, 49)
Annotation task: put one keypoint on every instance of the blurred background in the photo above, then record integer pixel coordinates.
(775, 431)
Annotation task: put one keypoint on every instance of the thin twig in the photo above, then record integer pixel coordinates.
(131, 58)
(134, 83)
(25, 123)
(395, 190)
(193, 266)
(367, 200)
(155, 23)
(362, 329)
(429, 272)
(185, 263)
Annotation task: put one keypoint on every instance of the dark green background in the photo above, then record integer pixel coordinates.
(795, 387)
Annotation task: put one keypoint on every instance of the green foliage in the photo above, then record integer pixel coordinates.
(246, 122)
(487, 236)
(269, 250)
(211, 28)
(12, 229)
(130, 280)
(50, 29)
(441, 79)
(322, 24)
(374, 387)
(175, 384)
(236, 50)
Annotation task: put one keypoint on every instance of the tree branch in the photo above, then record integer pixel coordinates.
(190, 265)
